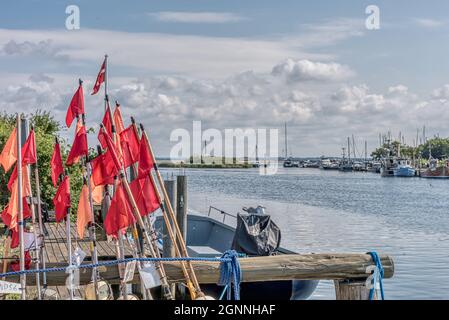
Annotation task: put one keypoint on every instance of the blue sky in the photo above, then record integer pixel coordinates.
(180, 61)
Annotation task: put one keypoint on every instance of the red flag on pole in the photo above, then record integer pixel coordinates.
(10, 218)
(9, 152)
(130, 146)
(145, 195)
(146, 161)
(107, 123)
(111, 148)
(119, 127)
(61, 200)
(119, 215)
(76, 107)
(84, 214)
(100, 78)
(79, 147)
(103, 169)
(56, 164)
(28, 157)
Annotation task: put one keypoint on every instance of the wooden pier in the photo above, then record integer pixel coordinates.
(349, 271)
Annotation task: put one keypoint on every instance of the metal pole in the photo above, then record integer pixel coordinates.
(69, 251)
(20, 222)
(41, 224)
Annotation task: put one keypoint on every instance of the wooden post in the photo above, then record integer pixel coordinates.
(181, 204)
(181, 214)
(351, 290)
(168, 247)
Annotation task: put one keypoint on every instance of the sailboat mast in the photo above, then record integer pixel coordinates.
(349, 150)
(286, 144)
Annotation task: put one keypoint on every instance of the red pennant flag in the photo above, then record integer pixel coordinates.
(119, 127)
(146, 161)
(9, 152)
(145, 195)
(103, 169)
(28, 157)
(56, 164)
(111, 148)
(119, 215)
(84, 214)
(29, 150)
(100, 78)
(8, 216)
(76, 107)
(79, 147)
(130, 146)
(61, 200)
(15, 266)
(107, 123)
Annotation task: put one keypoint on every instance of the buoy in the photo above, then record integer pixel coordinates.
(129, 297)
(104, 291)
(205, 298)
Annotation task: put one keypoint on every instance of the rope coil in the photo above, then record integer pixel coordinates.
(230, 273)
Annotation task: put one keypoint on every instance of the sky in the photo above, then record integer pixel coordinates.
(237, 64)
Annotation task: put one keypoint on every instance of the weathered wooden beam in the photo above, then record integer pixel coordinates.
(320, 266)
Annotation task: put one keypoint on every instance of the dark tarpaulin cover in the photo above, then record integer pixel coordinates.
(256, 235)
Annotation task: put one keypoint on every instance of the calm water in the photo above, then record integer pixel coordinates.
(331, 211)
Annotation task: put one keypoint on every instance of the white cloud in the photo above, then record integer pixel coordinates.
(304, 70)
(196, 17)
(429, 23)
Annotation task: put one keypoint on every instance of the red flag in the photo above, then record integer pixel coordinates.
(15, 266)
(8, 216)
(28, 157)
(111, 147)
(100, 78)
(76, 107)
(146, 161)
(29, 150)
(103, 169)
(56, 164)
(84, 214)
(119, 127)
(119, 215)
(9, 152)
(145, 195)
(61, 200)
(79, 147)
(130, 146)
(107, 123)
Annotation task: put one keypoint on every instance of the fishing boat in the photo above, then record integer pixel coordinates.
(345, 163)
(290, 163)
(403, 168)
(207, 237)
(327, 164)
(436, 171)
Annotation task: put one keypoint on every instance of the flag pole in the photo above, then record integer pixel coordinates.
(169, 228)
(69, 251)
(33, 221)
(41, 224)
(151, 241)
(20, 222)
(105, 81)
(179, 237)
(91, 226)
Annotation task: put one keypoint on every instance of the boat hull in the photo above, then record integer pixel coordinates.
(436, 173)
(404, 172)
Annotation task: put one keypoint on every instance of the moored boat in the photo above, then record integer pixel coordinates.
(436, 171)
(207, 237)
(404, 169)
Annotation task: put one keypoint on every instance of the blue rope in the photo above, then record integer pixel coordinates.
(114, 262)
(378, 275)
(230, 274)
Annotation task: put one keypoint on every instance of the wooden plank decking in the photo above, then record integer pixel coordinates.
(56, 251)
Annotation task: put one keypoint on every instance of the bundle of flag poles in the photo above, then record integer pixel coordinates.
(128, 199)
